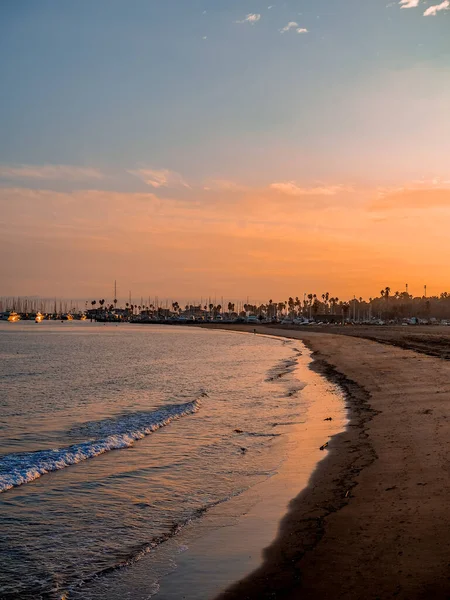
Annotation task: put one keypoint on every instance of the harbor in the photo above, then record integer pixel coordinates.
(385, 309)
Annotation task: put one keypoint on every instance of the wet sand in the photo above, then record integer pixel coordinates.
(216, 556)
(374, 521)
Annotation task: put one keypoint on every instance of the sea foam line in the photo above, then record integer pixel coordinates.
(17, 469)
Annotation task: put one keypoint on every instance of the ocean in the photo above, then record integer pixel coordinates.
(116, 438)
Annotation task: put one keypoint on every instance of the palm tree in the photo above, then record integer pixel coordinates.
(291, 304)
(280, 307)
(316, 306)
(332, 305)
(310, 298)
(345, 309)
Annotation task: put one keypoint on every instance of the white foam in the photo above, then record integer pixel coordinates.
(20, 468)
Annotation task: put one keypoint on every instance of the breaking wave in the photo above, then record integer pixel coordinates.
(23, 467)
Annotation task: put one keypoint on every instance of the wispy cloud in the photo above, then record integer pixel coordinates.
(290, 25)
(433, 10)
(290, 188)
(421, 194)
(251, 18)
(412, 199)
(409, 3)
(224, 185)
(158, 178)
(293, 25)
(436, 183)
(50, 172)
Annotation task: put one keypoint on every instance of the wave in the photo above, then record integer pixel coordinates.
(122, 432)
(137, 553)
(284, 367)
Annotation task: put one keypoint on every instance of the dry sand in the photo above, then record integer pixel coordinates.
(374, 521)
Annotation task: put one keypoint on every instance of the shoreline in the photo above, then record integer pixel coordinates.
(215, 559)
(372, 522)
(328, 490)
(207, 555)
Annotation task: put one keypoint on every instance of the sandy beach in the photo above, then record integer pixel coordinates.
(373, 523)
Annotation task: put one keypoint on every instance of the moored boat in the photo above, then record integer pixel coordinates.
(10, 315)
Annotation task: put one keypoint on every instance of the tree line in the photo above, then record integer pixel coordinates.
(387, 305)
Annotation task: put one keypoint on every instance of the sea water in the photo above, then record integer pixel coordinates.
(115, 438)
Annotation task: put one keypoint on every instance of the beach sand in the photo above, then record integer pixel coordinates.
(374, 521)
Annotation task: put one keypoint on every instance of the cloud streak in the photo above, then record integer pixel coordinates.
(158, 178)
(433, 10)
(412, 199)
(251, 18)
(409, 3)
(49, 172)
(293, 25)
(290, 188)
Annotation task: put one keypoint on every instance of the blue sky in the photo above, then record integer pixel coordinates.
(118, 84)
(206, 103)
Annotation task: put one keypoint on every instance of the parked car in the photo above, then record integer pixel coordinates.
(253, 319)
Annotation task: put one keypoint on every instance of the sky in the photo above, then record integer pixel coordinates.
(236, 148)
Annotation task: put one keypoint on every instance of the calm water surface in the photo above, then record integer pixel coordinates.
(113, 438)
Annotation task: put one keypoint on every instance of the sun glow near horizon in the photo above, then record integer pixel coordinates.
(257, 242)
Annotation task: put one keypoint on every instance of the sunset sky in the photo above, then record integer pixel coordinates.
(229, 147)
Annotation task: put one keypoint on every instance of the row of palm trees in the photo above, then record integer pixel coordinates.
(311, 305)
(387, 305)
